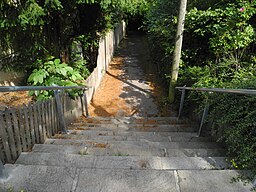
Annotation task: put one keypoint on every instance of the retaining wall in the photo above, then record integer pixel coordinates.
(107, 46)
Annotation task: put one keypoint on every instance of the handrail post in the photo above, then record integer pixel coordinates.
(181, 102)
(205, 113)
(60, 113)
(254, 181)
(1, 169)
(3, 173)
(85, 104)
(82, 103)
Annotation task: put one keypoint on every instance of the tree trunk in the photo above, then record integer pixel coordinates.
(177, 50)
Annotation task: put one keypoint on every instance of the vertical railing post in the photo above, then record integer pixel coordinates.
(82, 103)
(1, 169)
(204, 116)
(181, 102)
(60, 113)
(85, 104)
(3, 172)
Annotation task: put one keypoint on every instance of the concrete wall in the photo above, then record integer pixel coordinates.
(11, 78)
(107, 46)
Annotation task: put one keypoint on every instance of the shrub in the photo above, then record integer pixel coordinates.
(53, 72)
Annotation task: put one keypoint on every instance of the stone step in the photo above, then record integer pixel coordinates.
(130, 133)
(122, 162)
(135, 127)
(132, 120)
(126, 151)
(65, 179)
(212, 180)
(190, 139)
(35, 178)
(101, 151)
(111, 138)
(136, 136)
(134, 144)
(153, 138)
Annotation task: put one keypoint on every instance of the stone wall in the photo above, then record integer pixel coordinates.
(107, 46)
(11, 78)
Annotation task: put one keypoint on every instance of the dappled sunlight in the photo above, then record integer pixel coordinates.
(125, 89)
(128, 180)
(106, 101)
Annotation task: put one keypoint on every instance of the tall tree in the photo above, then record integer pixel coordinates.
(177, 50)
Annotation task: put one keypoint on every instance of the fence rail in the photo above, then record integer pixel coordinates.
(26, 125)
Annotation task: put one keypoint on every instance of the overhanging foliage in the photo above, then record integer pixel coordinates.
(218, 51)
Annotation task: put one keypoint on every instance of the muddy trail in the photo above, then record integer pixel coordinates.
(130, 87)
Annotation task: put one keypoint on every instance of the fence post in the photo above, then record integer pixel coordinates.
(60, 113)
(181, 102)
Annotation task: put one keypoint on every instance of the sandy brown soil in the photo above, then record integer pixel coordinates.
(107, 100)
(115, 97)
(14, 99)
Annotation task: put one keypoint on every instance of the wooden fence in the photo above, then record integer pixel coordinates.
(22, 127)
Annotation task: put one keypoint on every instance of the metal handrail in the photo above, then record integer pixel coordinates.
(219, 90)
(38, 88)
(210, 90)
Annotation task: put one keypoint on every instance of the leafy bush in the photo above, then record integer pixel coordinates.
(218, 51)
(237, 126)
(33, 29)
(160, 22)
(53, 72)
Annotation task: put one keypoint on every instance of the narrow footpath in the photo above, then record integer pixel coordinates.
(130, 86)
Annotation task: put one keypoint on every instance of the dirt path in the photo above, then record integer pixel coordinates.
(128, 88)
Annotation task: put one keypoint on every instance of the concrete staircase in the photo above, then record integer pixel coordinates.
(156, 154)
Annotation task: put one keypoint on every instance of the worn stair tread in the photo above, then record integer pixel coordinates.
(38, 178)
(136, 127)
(190, 139)
(66, 179)
(141, 143)
(126, 151)
(129, 133)
(122, 162)
(112, 138)
(134, 136)
(129, 120)
(212, 180)
(161, 127)
(89, 180)
(100, 150)
(153, 138)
